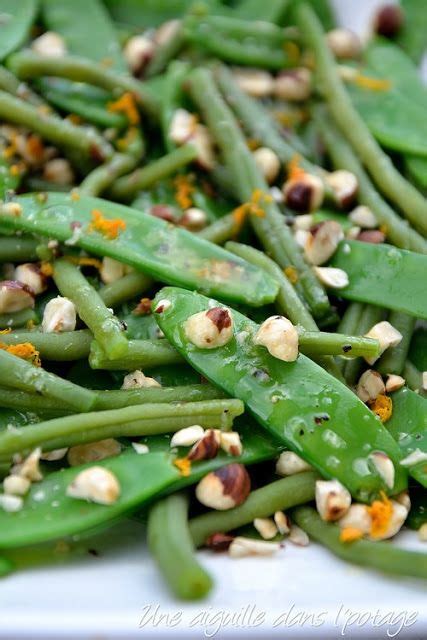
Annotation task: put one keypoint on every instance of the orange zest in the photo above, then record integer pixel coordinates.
(293, 52)
(295, 171)
(253, 207)
(381, 512)
(382, 406)
(46, 269)
(291, 273)
(84, 261)
(143, 307)
(183, 465)
(350, 534)
(5, 331)
(373, 84)
(74, 195)
(184, 188)
(126, 105)
(24, 350)
(108, 228)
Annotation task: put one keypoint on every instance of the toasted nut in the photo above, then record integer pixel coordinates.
(210, 329)
(403, 498)
(415, 457)
(268, 163)
(388, 20)
(162, 306)
(93, 452)
(386, 335)
(323, 243)
(182, 126)
(137, 380)
(112, 270)
(16, 485)
(282, 522)
(59, 171)
(164, 212)
(203, 142)
(242, 547)
(255, 82)
(332, 277)
(302, 237)
(30, 275)
(303, 222)
(56, 454)
(224, 488)
(140, 448)
(343, 43)
(137, 52)
(298, 536)
(363, 217)
(167, 31)
(333, 500)
(194, 219)
(188, 436)
(372, 236)
(10, 503)
(95, 484)
(424, 380)
(304, 193)
(29, 468)
(219, 542)
(394, 383)
(384, 466)
(15, 296)
(13, 209)
(49, 44)
(370, 386)
(293, 85)
(344, 185)
(280, 338)
(230, 443)
(422, 532)
(357, 517)
(353, 233)
(207, 447)
(59, 315)
(266, 528)
(289, 463)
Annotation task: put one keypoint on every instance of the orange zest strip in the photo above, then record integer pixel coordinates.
(350, 534)
(381, 512)
(184, 188)
(46, 269)
(108, 228)
(295, 171)
(84, 261)
(24, 350)
(183, 465)
(293, 52)
(253, 207)
(373, 84)
(291, 273)
(126, 104)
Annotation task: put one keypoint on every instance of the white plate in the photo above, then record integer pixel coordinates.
(301, 593)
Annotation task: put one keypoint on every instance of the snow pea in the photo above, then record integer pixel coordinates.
(413, 36)
(75, 22)
(416, 166)
(418, 348)
(384, 275)
(298, 402)
(408, 426)
(151, 13)
(149, 244)
(142, 478)
(418, 513)
(16, 24)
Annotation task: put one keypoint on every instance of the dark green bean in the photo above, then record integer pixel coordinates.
(18, 249)
(17, 319)
(126, 288)
(142, 354)
(62, 347)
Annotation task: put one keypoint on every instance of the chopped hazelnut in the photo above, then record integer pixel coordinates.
(29, 274)
(394, 383)
(95, 484)
(387, 336)
(187, 436)
(344, 44)
(384, 467)
(333, 500)
(224, 488)
(15, 296)
(388, 20)
(207, 447)
(137, 52)
(344, 185)
(16, 485)
(266, 527)
(370, 386)
(210, 329)
(289, 463)
(268, 163)
(59, 315)
(323, 243)
(255, 82)
(363, 217)
(93, 452)
(332, 277)
(282, 522)
(293, 85)
(280, 338)
(49, 44)
(242, 547)
(230, 443)
(137, 380)
(304, 193)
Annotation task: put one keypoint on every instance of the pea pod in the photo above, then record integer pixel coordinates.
(16, 24)
(412, 37)
(384, 275)
(142, 478)
(408, 426)
(147, 243)
(298, 402)
(418, 348)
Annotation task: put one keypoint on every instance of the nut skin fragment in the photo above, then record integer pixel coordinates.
(95, 484)
(187, 436)
(59, 315)
(219, 542)
(280, 338)
(266, 527)
(344, 185)
(210, 329)
(323, 243)
(370, 386)
(333, 500)
(242, 547)
(93, 452)
(224, 488)
(207, 447)
(289, 463)
(372, 236)
(15, 296)
(230, 443)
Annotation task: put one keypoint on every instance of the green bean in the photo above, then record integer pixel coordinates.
(138, 420)
(98, 180)
(170, 543)
(17, 319)
(27, 65)
(172, 97)
(107, 329)
(260, 31)
(220, 231)
(16, 25)
(52, 128)
(63, 347)
(142, 354)
(19, 374)
(127, 187)
(18, 249)
(6, 566)
(378, 555)
(31, 402)
(394, 186)
(370, 316)
(413, 377)
(164, 53)
(126, 288)
(261, 503)
(10, 83)
(343, 157)
(350, 319)
(394, 358)
(273, 11)
(271, 229)
(314, 343)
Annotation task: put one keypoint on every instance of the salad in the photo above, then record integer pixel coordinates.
(213, 292)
